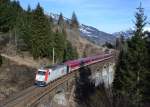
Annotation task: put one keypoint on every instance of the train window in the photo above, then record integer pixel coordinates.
(41, 73)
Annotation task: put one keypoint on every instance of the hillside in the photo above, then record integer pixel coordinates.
(83, 46)
(14, 78)
(90, 33)
(96, 36)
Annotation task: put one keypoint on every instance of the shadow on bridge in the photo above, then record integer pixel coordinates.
(84, 88)
(86, 94)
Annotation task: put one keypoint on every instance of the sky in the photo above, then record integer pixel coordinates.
(107, 15)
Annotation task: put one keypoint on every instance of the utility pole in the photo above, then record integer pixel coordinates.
(16, 38)
(53, 55)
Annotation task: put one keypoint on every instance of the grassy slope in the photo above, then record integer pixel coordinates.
(82, 45)
(14, 78)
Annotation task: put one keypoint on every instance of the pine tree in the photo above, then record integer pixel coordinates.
(29, 9)
(8, 14)
(108, 45)
(138, 57)
(146, 92)
(59, 45)
(120, 82)
(42, 38)
(131, 70)
(25, 29)
(61, 20)
(117, 44)
(70, 52)
(74, 21)
(51, 21)
(5, 15)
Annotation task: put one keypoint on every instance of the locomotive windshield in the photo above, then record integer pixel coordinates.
(41, 73)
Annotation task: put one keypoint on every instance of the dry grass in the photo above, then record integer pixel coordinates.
(82, 45)
(26, 59)
(14, 78)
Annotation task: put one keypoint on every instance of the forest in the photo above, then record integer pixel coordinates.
(34, 31)
(131, 84)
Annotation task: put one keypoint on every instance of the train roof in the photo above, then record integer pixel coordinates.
(58, 66)
(78, 60)
(52, 66)
(73, 61)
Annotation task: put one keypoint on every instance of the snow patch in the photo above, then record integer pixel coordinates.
(85, 31)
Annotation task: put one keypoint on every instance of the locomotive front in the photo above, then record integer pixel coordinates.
(41, 77)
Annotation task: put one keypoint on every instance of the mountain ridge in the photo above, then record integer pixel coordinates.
(96, 36)
(92, 34)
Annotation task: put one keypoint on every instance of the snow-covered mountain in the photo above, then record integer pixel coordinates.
(127, 34)
(96, 36)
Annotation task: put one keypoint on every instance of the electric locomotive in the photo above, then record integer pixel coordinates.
(47, 74)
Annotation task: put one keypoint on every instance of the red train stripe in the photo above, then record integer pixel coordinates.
(46, 75)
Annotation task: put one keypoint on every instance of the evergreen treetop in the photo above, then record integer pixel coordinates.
(29, 9)
(74, 21)
(140, 21)
(61, 19)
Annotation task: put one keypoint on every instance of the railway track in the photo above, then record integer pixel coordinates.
(14, 97)
(32, 95)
